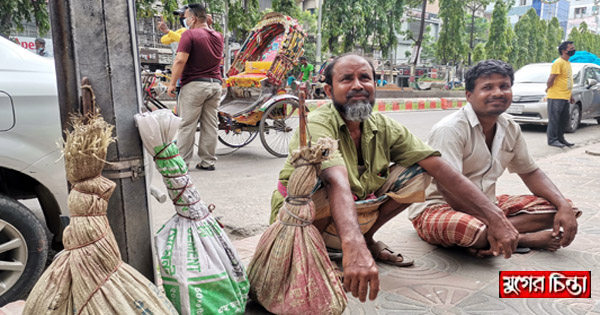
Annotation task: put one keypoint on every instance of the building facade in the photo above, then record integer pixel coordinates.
(545, 9)
(584, 11)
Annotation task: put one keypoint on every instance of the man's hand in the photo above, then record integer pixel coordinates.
(565, 218)
(360, 272)
(572, 100)
(162, 26)
(503, 237)
(171, 90)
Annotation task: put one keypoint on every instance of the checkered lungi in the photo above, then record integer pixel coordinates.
(404, 186)
(439, 224)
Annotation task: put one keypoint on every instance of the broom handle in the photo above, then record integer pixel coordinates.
(302, 113)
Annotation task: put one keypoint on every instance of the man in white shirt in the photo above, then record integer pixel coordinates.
(481, 142)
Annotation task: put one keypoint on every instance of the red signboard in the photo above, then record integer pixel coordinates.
(545, 284)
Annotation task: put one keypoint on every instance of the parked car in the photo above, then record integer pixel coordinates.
(30, 167)
(529, 105)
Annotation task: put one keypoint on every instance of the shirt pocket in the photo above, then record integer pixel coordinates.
(505, 157)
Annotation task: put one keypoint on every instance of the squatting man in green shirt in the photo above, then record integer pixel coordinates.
(378, 171)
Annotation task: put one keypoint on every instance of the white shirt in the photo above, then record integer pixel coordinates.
(460, 139)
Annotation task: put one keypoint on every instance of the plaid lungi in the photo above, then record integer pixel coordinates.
(439, 224)
(404, 186)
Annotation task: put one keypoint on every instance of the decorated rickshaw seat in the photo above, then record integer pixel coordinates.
(255, 71)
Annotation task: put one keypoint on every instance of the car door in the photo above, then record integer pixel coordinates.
(594, 110)
(586, 92)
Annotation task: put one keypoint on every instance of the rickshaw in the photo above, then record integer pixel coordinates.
(256, 101)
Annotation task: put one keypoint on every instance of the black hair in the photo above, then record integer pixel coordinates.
(302, 58)
(563, 46)
(198, 11)
(328, 72)
(486, 68)
(40, 40)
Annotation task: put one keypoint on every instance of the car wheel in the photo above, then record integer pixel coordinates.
(574, 119)
(23, 250)
(598, 120)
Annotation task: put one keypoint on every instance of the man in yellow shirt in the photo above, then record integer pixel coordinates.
(560, 87)
(172, 37)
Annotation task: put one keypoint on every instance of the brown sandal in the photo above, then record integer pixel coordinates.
(378, 247)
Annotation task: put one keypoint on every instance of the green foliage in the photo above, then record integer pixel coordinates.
(522, 52)
(497, 46)
(450, 47)
(583, 39)
(479, 53)
(476, 28)
(554, 34)
(287, 7)
(366, 24)
(14, 12)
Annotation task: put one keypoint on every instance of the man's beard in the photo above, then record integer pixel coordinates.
(355, 110)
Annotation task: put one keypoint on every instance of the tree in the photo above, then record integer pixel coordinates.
(479, 53)
(522, 52)
(472, 7)
(497, 46)
(541, 40)
(554, 34)
(368, 24)
(14, 12)
(575, 37)
(287, 7)
(450, 46)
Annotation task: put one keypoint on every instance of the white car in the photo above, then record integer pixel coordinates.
(529, 105)
(30, 167)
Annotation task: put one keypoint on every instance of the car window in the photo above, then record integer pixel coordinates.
(597, 73)
(590, 74)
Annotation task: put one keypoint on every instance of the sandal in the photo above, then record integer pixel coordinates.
(377, 248)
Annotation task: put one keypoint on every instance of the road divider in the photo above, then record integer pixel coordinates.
(404, 104)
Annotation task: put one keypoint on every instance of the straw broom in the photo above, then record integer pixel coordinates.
(89, 277)
(201, 270)
(290, 272)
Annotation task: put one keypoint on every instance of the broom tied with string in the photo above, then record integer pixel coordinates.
(89, 276)
(290, 272)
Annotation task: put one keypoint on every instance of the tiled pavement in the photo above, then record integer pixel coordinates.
(447, 281)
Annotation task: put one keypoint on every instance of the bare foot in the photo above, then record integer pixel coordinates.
(480, 253)
(540, 240)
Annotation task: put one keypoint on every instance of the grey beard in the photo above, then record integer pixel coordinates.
(355, 110)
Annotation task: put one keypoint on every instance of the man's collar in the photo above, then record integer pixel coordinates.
(474, 120)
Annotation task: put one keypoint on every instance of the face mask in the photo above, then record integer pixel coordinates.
(182, 21)
(186, 23)
(571, 52)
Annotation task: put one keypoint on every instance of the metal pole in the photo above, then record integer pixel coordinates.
(226, 36)
(319, 33)
(98, 40)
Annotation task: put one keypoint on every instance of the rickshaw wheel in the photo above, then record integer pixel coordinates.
(277, 126)
(236, 138)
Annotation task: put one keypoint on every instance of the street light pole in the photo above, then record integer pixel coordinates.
(226, 33)
(319, 33)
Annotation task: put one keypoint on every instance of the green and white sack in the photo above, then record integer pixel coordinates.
(201, 270)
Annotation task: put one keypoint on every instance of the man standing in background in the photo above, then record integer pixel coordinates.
(198, 64)
(560, 87)
(40, 48)
(306, 70)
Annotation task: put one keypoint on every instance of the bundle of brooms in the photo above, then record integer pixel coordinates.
(89, 276)
(290, 272)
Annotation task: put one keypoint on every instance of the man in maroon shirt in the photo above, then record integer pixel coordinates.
(197, 63)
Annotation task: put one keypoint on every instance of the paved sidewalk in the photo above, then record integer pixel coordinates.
(447, 281)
